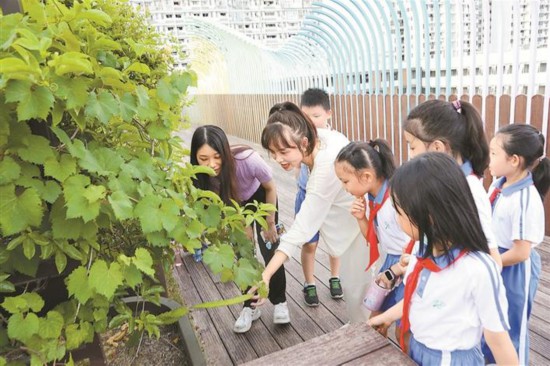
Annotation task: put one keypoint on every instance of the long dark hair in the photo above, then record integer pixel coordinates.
(375, 154)
(214, 137)
(528, 142)
(457, 123)
(433, 193)
(287, 122)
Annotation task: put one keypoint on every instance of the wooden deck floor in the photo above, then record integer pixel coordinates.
(214, 327)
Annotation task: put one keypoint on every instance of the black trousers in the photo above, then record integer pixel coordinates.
(277, 284)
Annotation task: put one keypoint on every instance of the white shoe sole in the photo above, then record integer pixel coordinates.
(281, 321)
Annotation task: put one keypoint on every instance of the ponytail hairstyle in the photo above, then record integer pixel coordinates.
(214, 137)
(528, 142)
(418, 189)
(286, 126)
(456, 123)
(376, 155)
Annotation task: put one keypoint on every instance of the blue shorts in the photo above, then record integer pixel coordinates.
(397, 293)
(423, 355)
(300, 197)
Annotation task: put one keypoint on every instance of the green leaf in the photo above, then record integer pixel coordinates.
(220, 257)
(144, 262)
(195, 229)
(15, 304)
(149, 213)
(34, 301)
(102, 106)
(60, 261)
(105, 280)
(121, 204)
(50, 191)
(77, 334)
(35, 9)
(245, 273)
(11, 65)
(17, 212)
(76, 189)
(167, 93)
(78, 285)
(23, 328)
(9, 24)
(220, 303)
(33, 101)
(102, 160)
(94, 193)
(72, 62)
(128, 107)
(173, 316)
(132, 276)
(51, 325)
(37, 150)
(65, 228)
(73, 90)
(9, 170)
(28, 248)
(96, 16)
(139, 68)
(213, 216)
(170, 214)
(62, 169)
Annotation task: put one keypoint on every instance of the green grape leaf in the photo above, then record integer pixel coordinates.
(105, 280)
(72, 62)
(17, 212)
(132, 276)
(149, 213)
(60, 261)
(50, 191)
(94, 193)
(51, 325)
(128, 107)
(96, 16)
(167, 93)
(37, 150)
(15, 304)
(102, 106)
(62, 169)
(139, 68)
(121, 204)
(76, 190)
(65, 228)
(220, 257)
(34, 301)
(245, 273)
(9, 170)
(144, 262)
(102, 161)
(78, 285)
(33, 101)
(195, 229)
(73, 90)
(77, 334)
(23, 328)
(212, 216)
(170, 214)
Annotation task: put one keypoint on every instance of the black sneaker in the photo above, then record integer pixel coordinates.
(335, 288)
(310, 295)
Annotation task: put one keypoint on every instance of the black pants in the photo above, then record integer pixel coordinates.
(277, 284)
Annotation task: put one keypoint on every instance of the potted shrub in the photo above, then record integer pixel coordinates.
(92, 184)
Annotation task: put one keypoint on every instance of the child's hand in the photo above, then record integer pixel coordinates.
(383, 281)
(404, 261)
(271, 233)
(379, 325)
(358, 208)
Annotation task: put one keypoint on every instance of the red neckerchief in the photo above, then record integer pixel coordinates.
(495, 195)
(410, 246)
(372, 239)
(410, 288)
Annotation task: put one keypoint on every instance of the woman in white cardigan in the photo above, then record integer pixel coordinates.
(292, 139)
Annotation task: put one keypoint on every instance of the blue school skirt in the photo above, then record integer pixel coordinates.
(300, 197)
(521, 281)
(423, 355)
(397, 293)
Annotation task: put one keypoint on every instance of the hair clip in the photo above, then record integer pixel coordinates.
(457, 106)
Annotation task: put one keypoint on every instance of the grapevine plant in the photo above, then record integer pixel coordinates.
(93, 179)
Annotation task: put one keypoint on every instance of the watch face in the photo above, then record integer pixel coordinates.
(389, 275)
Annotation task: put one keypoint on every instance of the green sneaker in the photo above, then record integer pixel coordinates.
(310, 295)
(335, 286)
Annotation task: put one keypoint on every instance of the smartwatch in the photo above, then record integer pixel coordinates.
(389, 275)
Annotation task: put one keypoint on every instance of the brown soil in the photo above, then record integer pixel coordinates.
(168, 350)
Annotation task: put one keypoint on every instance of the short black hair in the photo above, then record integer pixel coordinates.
(432, 191)
(314, 97)
(375, 154)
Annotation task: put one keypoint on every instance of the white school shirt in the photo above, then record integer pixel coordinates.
(482, 202)
(326, 206)
(450, 309)
(391, 238)
(518, 213)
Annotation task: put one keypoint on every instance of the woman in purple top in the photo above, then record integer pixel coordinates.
(242, 175)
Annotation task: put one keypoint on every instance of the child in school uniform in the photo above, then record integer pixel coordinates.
(453, 290)
(365, 168)
(517, 156)
(315, 103)
(455, 128)
(291, 140)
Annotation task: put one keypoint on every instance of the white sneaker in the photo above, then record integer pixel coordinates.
(281, 314)
(244, 322)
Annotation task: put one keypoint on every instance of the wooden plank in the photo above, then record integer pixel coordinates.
(536, 359)
(338, 347)
(215, 353)
(238, 348)
(385, 356)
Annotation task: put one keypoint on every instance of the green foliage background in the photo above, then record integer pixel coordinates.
(91, 176)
